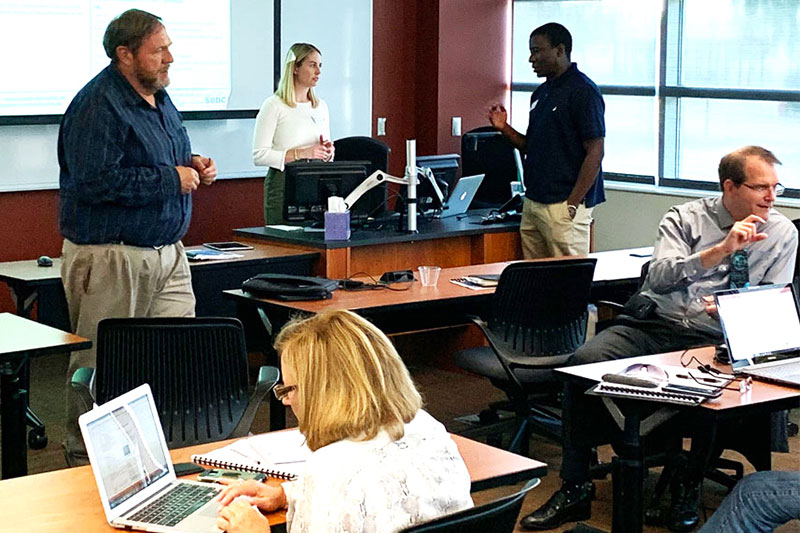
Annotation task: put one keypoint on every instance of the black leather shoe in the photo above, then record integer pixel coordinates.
(683, 515)
(560, 509)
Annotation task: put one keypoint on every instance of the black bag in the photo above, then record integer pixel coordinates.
(290, 288)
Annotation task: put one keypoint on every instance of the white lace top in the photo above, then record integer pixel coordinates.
(378, 485)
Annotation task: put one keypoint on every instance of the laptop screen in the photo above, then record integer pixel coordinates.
(760, 323)
(129, 454)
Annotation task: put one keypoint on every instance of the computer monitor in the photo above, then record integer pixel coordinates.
(310, 183)
(445, 170)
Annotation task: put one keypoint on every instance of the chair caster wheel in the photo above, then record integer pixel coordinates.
(654, 516)
(37, 439)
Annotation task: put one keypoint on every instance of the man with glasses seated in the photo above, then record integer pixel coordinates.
(703, 246)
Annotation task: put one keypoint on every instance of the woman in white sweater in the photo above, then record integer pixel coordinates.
(379, 463)
(292, 124)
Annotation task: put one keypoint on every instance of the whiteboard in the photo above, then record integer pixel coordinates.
(342, 30)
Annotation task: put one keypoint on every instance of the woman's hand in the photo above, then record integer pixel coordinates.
(265, 497)
(241, 517)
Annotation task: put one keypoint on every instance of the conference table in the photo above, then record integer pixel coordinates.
(21, 339)
(67, 500)
(636, 418)
(30, 283)
(446, 242)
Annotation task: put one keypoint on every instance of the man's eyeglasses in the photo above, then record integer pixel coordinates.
(778, 188)
(281, 391)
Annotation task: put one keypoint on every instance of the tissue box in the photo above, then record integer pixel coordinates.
(337, 226)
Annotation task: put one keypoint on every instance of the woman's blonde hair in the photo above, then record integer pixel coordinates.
(351, 383)
(297, 53)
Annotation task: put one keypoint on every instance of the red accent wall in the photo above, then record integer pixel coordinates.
(432, 59)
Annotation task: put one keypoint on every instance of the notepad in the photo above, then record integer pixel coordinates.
(280, 454)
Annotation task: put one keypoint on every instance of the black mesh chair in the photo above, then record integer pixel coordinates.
(363, 149)
(196, 367)
(485, 151)
(499, 516)
(538, 319)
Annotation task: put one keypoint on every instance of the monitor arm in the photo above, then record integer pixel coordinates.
(379, 176)
(372, 181)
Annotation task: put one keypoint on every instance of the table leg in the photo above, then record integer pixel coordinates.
(13, 403)
(628, 478)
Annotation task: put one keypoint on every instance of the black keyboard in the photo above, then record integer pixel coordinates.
(176, 504)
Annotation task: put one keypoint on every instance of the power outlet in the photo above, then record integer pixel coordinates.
(456, 126)
(381, 126)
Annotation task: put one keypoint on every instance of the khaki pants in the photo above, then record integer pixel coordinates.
(118, 281)
(547, 231)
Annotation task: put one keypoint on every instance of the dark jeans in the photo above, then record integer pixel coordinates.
(586, 421)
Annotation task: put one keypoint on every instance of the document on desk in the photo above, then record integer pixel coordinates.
(280, 454)
(284, 227)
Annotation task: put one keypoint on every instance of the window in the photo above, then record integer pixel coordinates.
(684, 81)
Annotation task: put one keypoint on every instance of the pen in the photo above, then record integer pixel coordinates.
(704, 380)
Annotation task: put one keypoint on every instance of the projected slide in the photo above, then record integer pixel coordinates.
(53, 47)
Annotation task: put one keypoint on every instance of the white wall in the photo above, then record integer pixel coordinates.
(630, 218)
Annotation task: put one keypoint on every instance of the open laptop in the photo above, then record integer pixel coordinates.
(462, 195)
(134, 473)
(762, 330)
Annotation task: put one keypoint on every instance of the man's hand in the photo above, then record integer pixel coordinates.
(265, 497)
(206, 169)
(741, 234)
(241, 517)
(498, 116)
(189, 179)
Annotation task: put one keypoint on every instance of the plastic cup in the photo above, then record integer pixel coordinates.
(429, 275)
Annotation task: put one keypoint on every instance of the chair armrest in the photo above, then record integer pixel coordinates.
(268, 376)
(83, 383)
(614, 306)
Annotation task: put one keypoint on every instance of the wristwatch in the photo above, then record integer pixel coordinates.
(573, 210)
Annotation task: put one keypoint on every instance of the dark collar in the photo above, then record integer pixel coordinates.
(128, 94)
(565, 78)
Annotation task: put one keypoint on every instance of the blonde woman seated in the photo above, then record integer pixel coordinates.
(292, 124)
(379, 463)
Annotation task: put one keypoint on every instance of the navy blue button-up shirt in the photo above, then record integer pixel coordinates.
(565, 112)
(117, 153)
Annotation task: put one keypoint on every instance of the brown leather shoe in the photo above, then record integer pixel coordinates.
(559, 509)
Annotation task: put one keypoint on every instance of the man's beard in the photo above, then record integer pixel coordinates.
(149, 81)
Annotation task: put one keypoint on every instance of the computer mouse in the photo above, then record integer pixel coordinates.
(44, 261)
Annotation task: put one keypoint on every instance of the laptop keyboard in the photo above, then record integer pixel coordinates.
(176, 504)
(781, 371)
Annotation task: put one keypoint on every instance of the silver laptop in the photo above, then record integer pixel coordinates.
(762, 330)
(462, 195)
(134, 473)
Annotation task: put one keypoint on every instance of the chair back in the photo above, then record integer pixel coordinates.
(485, 151)
(359, 148)
(540, 307)
(499, 516)
(196, 367)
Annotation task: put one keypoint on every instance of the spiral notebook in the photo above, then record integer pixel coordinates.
(280, 454)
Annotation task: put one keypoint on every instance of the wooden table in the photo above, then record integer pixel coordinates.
(67, 500)
(448, 242)
(21, 339)
(634, 415)
(30, 283)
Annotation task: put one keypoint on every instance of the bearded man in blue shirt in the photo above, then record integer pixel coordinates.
(127, 175)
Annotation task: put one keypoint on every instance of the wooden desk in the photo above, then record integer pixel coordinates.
(446, 304)
(21, 339)
(628, 467)
(67, 500)
(447, 242)
(30, 283)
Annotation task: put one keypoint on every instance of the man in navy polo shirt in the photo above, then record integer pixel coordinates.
(563, 149)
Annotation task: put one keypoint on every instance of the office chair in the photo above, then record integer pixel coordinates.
(485, 151)
(499, 516)
(196, 367)
(537, 320)
(363, 149)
